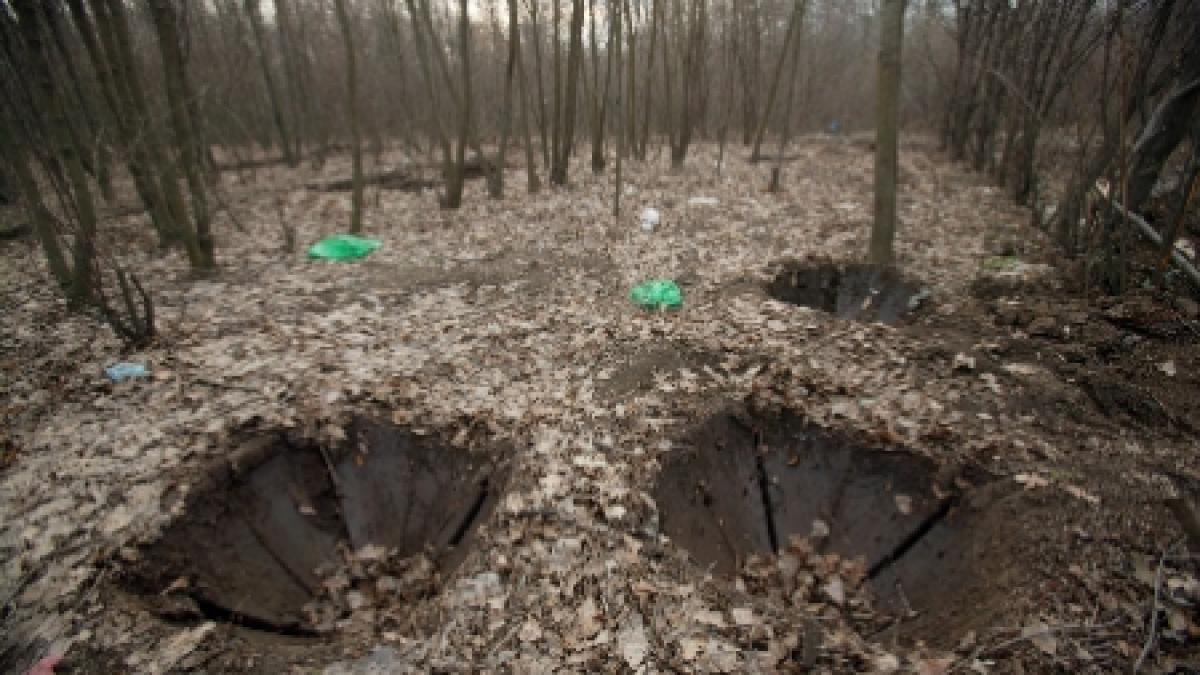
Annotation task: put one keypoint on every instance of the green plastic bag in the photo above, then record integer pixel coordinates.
(657, 293)
(343, 247)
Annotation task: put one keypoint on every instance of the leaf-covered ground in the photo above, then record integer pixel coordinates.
(506, 324)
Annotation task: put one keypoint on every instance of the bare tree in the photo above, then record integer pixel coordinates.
(264, 61)
(198, 237)
(558, 171)
(352, 115)
(891, 38)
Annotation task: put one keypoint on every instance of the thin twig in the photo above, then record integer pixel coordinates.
(1152, 628)
(1048, 630)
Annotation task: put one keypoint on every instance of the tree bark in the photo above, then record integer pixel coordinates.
(198, 237)
(558, 173)
(50, 103)
(772, 93)
(887, 131)
(496, 186)
(1168, 126)
(356, 196)
(264, 61)
(533, 184)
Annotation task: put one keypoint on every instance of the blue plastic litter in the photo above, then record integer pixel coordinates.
(118, 372)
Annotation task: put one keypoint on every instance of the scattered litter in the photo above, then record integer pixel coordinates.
(919, 298)
(343, 247)
(1168, 368)
(703, 201)
(1031, 480)
(119, 372)
(650, 219)
(45, 666)
(1001, 262)
(657, 294)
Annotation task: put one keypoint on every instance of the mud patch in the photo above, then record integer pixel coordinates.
(745, 484)
(290, 538)
(849, 291)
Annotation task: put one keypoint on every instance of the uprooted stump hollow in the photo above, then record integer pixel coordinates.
(743, 484)
(256, 546)
(857, 292)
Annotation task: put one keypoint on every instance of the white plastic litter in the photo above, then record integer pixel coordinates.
(703, 201)
(650, 219)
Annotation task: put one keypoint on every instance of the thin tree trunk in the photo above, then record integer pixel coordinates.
(789, 102)
(454, 181)
(264, 61)
(496, 187)
(17, 160)
(113, 25)
(620, 118)
(121, 120)
(533, 184)
(539, 79)
(772, 93)
(67, 152)
(198, 238)
(556, 140)
(558, 173)
(297, 83)
(356, 196)
(887, 131)
(437, 124)
(644, 139)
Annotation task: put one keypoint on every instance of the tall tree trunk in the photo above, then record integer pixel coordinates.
(789, 37)
(356, 196)
(1168, 126)
(620, 117)
(455, 179)
(496, 187)
(556, 140)
(558, 173)
(887, 131)
(539, 80)
(437, 125)
(533, 184)
(264, 61)
(198, 238)
(65, 147)
(644, 137)
(97, 158)
(785, 136)
(112, 23)
(294, 74)
(121, 120)
(600, 94)
(44, 226)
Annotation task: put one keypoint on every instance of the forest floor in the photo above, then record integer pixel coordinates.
(505, 329)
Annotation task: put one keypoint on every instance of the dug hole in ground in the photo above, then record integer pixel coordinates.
(470, 451)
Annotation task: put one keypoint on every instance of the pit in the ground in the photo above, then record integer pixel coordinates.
(744, 483)
(256, 546)
(854, 291)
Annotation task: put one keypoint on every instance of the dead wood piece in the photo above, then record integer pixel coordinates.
(1148, 231)
(250, 455)
(396, 179)
(16, 231)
